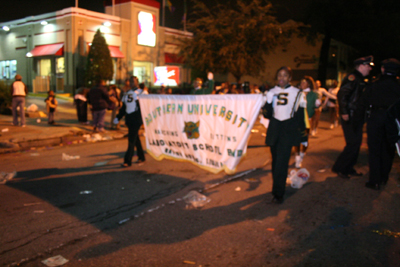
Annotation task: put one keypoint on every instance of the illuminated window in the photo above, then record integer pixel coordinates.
(8, 69)
(44, 67)
(60, 65)
(143, 71)
(147, 29)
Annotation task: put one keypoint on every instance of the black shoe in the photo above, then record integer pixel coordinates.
(355, 173)
(277, 200)
(372, 186)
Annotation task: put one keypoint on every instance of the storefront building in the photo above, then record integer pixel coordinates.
(50, 50)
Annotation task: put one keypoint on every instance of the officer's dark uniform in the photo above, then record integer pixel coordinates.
(377, 98)
(350, 92)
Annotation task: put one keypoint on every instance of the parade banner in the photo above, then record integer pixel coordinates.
(210, 131)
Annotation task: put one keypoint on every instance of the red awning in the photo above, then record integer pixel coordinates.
(115, 52)
(47, 50)
(173, 58)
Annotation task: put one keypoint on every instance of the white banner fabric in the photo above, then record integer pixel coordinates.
(210, 131)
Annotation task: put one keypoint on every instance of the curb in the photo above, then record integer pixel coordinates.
(69, 139)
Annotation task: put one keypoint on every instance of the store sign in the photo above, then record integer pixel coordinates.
(166, 75)
(147, 29)
(210, 131)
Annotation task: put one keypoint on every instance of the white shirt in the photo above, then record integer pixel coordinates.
(286, 101)
(19, 88)
(129, 99)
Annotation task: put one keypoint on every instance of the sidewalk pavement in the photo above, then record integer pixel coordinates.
(38, 133)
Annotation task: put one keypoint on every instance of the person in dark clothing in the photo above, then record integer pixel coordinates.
(286, 106)
(133, 119)
(348, 97)
(80, 100)
(374, 102)
(99, 100)
(51, 105)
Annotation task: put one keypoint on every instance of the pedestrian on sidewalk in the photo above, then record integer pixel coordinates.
(286, 104)
(133, 119)
(18, 91)
(80, 100)
(99, 100)
(114, 93)
(51, 105)
(348, 97)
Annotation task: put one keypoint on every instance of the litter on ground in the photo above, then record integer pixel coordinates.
(55, 261)
(7, 176)
(195, 199)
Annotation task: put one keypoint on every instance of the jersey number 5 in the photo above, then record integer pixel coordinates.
(130, 98)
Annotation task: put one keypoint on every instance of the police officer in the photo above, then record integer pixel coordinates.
(376, 99)
(348, 96)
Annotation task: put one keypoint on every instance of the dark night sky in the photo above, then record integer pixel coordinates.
(17, 9)
(286, 9)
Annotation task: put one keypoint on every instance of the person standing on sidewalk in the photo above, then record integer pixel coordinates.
(18, 91)
(80, 100)
(133, 119)
(51, 105)
(375, 102)
(99, 100)
(115, 96)
(348, 96)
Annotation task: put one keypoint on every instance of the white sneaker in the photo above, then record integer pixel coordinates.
(299, 159)
(313, 132)
(331, 127)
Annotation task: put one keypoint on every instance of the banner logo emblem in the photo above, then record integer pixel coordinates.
(192, 129)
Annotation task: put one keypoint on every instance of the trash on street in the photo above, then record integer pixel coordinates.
(298, 178)
(6, 176)
(68, 157)
(55, 261)
(195, 199)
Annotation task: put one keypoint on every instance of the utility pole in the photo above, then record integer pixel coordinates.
(184, 16)
(163, 13)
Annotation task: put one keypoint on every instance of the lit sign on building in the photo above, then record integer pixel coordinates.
(166, 75)
(147, 29)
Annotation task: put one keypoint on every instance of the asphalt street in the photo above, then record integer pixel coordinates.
(94, 213)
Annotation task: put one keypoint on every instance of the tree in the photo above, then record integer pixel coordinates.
(233, 37)
(99, 63)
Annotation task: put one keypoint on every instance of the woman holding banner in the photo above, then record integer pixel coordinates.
(286, 111)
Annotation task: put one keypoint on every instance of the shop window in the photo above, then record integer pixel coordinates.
(60, 66)
(8, 69)
(45, 67)
(143, 70)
